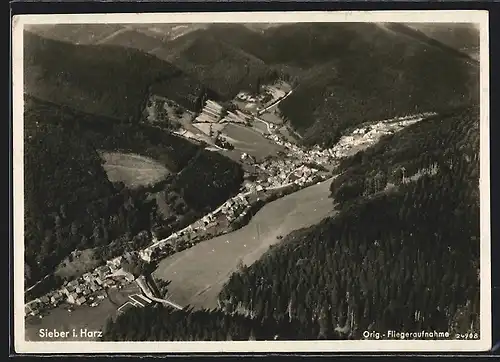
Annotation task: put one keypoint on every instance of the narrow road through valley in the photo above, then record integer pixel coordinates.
(274, 104)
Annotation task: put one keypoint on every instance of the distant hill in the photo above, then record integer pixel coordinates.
(105, 80)
(104, 33)
(168, 31)
(136, 39)
(75, 33)
(449, 44)
(262, 27)
(462, 37)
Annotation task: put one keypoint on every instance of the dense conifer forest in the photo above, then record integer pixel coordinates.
(160, 323)
(403, 252)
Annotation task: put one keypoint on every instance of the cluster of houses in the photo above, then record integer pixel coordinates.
(369, 135)
(363, 136)
(252, 187)
(87, 289)
(285, 171)
(235, 207)
(314, 155)
(275, 92)
(213, 112)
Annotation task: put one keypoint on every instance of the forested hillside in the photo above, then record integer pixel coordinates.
(65, 185)
(418, 151)
(164, 324)
(69, 201)
(218, 176)
(460, 41)
(404, 256)
(204, 55)
(105, 80)
(108, 134)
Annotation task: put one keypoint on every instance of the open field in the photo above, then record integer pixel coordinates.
(133, 170)
(82, 262)
(250, 141)
(82, 317)
(199, 273)
(260, 127)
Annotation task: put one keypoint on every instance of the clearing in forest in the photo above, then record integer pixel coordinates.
(133, 170)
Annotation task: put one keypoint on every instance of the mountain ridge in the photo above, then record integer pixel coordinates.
(107, 80)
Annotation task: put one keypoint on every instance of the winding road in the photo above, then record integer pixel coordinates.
(274, 103)
(267, 123)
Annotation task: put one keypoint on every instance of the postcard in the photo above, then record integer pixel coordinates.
(251, 182)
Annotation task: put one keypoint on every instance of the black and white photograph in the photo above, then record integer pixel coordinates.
(251, 182)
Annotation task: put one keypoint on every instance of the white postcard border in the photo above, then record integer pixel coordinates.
(455, 16)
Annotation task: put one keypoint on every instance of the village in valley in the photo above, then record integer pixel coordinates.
(292, 168)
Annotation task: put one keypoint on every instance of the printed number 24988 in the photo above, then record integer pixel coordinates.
(467, 336)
